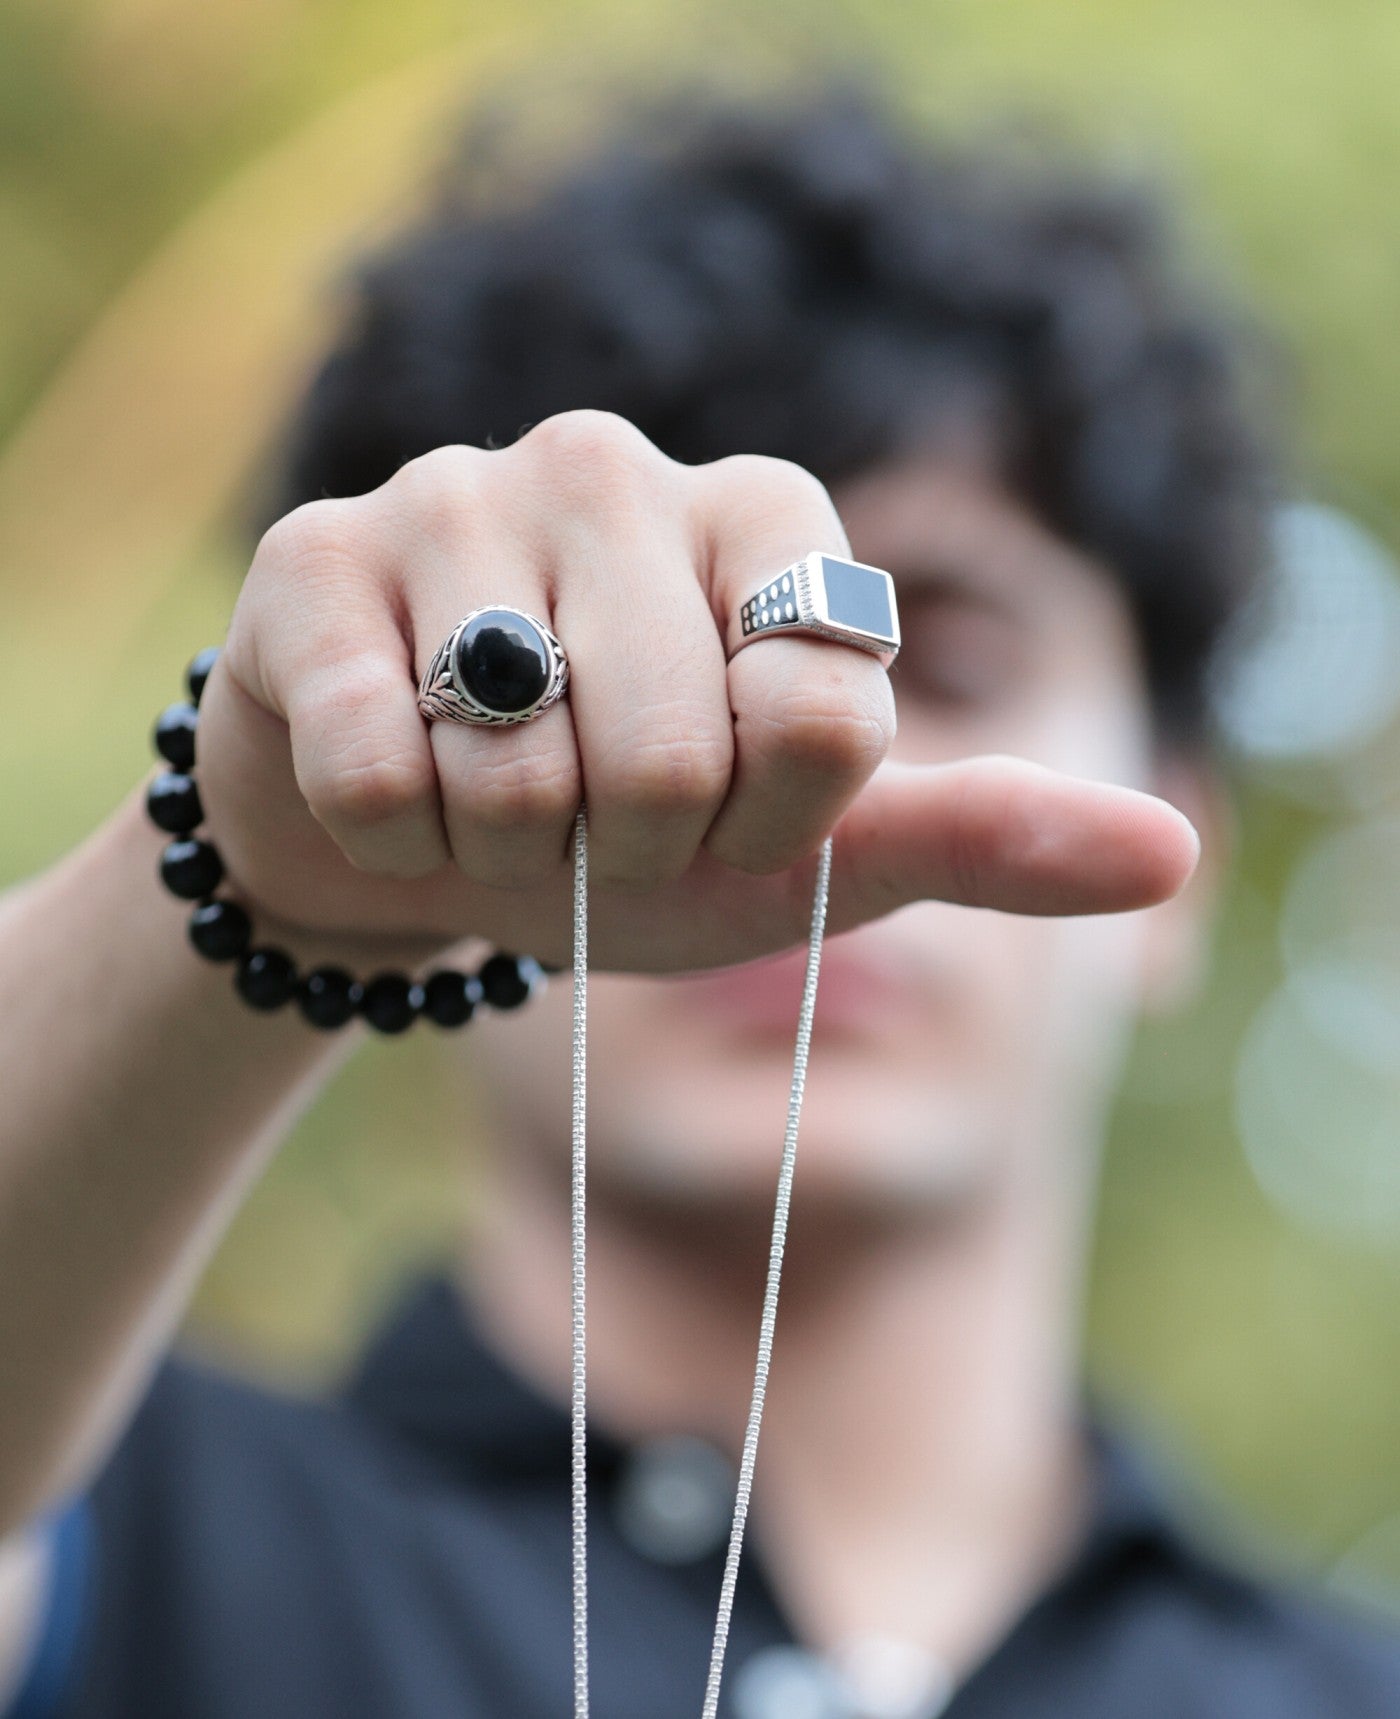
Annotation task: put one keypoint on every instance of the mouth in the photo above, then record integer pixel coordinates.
(763, 997)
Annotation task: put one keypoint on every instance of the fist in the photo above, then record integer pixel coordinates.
(710, 783)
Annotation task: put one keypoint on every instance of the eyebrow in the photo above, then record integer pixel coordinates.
(947, 578)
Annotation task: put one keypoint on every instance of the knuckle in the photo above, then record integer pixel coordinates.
(671, 775)
(660, 782)
(540, 790)
(1004, 767)
(308, 534)
(602, 450)
(992, 781)
(772, 476)
(438, 487)
(352, 772)
(367, 792)
(445, 465)
(760, 852)
(964, 852)
(739, 853)
(831, 737)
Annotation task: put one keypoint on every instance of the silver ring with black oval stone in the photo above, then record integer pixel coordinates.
(497, 665)
(828, 597)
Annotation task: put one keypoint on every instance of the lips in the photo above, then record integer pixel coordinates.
(766, 995)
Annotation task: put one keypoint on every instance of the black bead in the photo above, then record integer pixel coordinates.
(329, 996)
(450, 998)
(502, 661)
(190, 868)
(266, 978)
(509, 980)
(173, 803)
(174, 734)
(391, 1002)
(220, 930)
(198, 671)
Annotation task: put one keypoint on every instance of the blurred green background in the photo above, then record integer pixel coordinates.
(179, 185)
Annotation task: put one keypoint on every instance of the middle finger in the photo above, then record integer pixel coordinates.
(647, 680)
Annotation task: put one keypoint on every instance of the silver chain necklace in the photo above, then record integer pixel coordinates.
(770, 1296)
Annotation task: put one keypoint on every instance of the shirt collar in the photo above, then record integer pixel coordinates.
(432, 1377)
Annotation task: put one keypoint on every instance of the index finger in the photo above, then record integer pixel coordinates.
(813, 717)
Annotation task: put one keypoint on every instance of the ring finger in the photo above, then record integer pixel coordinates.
(509, 791)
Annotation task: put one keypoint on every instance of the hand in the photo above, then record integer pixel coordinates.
(710, 785)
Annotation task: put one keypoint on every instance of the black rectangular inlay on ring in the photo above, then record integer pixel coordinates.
(857, 597)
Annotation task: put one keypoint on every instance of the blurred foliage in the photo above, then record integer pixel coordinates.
(178, 186)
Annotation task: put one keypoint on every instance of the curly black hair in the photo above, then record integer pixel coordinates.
(803, 280)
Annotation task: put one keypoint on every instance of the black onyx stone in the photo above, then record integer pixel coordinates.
(450, 998)
(173, 803)
(502, 662)
(329, 996)
(266, 978)
(174, 734)
(391, 1002)
(198, 671)
(190, 868)
(509, 980)
(220, 930)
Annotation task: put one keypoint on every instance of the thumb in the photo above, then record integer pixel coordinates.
(1004, 832)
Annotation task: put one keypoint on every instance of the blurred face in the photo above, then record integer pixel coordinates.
(953, 1048)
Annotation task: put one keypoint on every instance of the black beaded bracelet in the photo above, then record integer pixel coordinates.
(266, 977)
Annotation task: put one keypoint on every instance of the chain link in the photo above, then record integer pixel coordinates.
(770, 1297)
(580, 1392)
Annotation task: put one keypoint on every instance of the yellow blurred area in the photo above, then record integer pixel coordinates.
(183, 186)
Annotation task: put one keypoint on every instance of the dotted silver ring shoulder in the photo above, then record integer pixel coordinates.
(849, 602)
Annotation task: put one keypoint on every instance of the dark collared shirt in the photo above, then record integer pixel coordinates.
(403, 1553)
